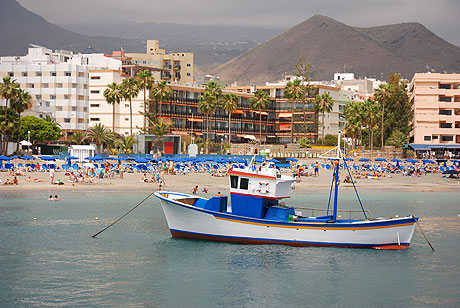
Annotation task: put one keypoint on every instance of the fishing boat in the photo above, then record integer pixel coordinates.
(257, 215)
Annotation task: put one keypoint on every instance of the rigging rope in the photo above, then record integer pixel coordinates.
(357, 195)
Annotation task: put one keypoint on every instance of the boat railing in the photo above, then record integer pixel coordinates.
(325, 212)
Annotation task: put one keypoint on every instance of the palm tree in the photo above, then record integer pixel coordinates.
(160, 91)
(78, 137)
(98, 134)
(372, 109)
(260, 101)
(20, 103)
(8, 90)
(113, 95)
(397, 139)
(130, 90)
(229, 104)
(126, 143)
(146, 81)
(294, 91)
(160, 127)
(323, 104)
(208, 104)
(382, 95)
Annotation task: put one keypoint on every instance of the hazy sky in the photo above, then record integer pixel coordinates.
(440, 16)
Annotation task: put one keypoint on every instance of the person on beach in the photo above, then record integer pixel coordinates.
(15, 181)
(195, 189)
(52, 175)
(122, 170)
(316, 169)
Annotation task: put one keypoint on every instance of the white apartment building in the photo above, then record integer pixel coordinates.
(102, 112)
(58, 82)
(436, 105)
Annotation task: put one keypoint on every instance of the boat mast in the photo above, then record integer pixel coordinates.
(337, 166)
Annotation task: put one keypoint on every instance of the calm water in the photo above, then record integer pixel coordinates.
(53, 262)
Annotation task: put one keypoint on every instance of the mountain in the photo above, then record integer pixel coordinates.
(331, 46)
(21, 27)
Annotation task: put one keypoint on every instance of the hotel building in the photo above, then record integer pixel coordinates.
(173, 67)
(58, 82)
(436, 105)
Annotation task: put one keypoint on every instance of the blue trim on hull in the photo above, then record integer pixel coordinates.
(253, 240)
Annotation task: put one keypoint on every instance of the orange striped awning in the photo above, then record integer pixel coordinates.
(195, 120)
(238, 111)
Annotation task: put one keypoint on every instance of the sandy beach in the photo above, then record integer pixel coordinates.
(185, 183)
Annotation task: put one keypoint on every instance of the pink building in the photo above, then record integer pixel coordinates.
(436, 103)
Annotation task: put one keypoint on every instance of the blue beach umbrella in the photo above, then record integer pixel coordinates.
(348, 159)
(395, 160)
(141, 160)
(364, 159)
(27, 157)
(292, 159)
(47, 158)
(4, 158)
(380, 159)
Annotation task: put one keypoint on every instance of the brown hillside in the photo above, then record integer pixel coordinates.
(328, 45)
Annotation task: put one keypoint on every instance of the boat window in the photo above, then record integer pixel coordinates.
(244, 183)
(233, 181)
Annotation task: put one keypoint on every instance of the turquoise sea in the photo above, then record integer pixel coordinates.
(53, 261)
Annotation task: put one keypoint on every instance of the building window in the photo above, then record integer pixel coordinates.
(59, 85)
(445, 125)
(66, 120)
(85, 109)
(188, 65)
(447, 138)
(94, 105)
(53, 74)
(38, 74)
(66, 96)
(52, 96)
(24, 74)
(47, 104)
(126, 119)
(445, 112)
(74, 85)
(244, 183)
(444, 86)
(81, 120)
(95, 91)
(188, 74)
(68, 74)
(74, 108)
(427, 138)
(38, 97)
(11, 74)
(95, 77)
(58, 108)
(31, 85)
(94, 119)
(126, 105)
(446, 99)
(45, 86)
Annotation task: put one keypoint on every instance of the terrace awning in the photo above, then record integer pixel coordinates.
(420, 147)
(195, 120)
(238, 111)
(285, 115)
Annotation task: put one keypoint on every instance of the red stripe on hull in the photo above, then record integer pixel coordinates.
(195, 236)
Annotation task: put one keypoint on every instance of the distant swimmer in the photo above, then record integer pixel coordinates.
(218, 194)
(56, 198)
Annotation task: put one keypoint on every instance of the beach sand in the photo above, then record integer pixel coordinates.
(185, 183)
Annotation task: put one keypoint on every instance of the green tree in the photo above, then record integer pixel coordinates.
(78, 137)
(113, 95)
(304, 71)
(8, 90)
(146, 81)
(99, 134)
(397, 139)
(382, 95)
(208, 104)
(130, 89)
(126, 143)
(323, 104)
(159, 92)
(294, 91)
(229, 104)
(160, 127)
(20, 103)
(372, 113)
(260, 101)
(40, 130)
(304, 143)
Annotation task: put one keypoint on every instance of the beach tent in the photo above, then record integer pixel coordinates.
(82, 151)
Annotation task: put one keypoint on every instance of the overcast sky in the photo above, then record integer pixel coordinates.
(440, 16)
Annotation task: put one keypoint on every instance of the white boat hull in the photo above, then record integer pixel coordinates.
(187, 221)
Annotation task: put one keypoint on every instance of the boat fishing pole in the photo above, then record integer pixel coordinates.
(94, 235)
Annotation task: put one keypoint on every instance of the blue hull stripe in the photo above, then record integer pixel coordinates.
(187, 234)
